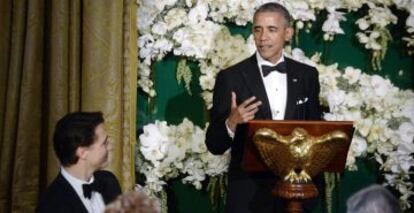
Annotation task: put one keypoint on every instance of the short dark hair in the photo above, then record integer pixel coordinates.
(374, 199)
(275, 7)
(72, 131)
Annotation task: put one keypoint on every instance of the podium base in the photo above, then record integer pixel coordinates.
(295, 194)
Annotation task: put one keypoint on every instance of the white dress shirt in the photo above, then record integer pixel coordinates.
(275, 84)
(96, 203)
(276, 88)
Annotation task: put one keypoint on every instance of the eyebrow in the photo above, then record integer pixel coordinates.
(106, 139)
(269, 27)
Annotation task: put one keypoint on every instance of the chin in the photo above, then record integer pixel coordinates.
(265, 56)
(104, 164)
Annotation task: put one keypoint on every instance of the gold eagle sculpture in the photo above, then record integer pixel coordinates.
(299, 156)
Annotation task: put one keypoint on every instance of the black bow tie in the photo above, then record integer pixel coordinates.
(88, 188)
(281, 67)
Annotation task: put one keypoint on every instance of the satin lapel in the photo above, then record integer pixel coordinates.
(70, 195)
(293, 83)
(106, 193)
(254, 82)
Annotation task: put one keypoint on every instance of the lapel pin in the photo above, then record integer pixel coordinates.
(295, 80)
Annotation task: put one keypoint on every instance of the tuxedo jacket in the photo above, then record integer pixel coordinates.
(251, 192)
(61, 197)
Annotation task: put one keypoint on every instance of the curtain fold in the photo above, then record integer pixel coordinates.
(60, 56)
(22, 105)
(108, 62)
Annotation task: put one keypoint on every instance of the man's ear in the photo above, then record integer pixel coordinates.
(289, 33)
(81, 152)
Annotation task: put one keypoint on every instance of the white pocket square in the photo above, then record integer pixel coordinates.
(302, 101)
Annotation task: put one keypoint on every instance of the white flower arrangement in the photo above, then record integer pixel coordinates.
(383, 114)
(219, 58)
(187, 27)
(375, 35)
(168, 151)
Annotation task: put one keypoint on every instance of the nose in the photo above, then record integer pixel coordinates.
(263, 35)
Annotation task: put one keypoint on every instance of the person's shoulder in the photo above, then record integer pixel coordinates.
(55, 188)
(108, 178)
(238, 67)
(104, 174)
(51, 199)
(110, 183)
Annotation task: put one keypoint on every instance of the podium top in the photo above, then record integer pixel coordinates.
(252, 162)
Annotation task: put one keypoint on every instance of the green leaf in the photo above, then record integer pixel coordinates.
(184, 74)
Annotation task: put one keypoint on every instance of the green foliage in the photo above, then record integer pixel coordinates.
(184, 74)
(331, 180)
(217, 187)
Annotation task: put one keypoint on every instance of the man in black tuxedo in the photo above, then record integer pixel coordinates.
(267, 85)
(81, 145)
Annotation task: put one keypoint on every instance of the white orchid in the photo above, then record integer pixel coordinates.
(370, 40)
(198, 13)
(144, 81)
(299, 55)
(175, 18)
(301, 10)
(406, 132)
(194, 172)
(331, 26)
(358, 146)
(352, 75)
(381, 16)
(353, 4)
(196, 40)
(207, 81)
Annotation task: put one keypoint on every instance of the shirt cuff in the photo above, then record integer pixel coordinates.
(231, 133)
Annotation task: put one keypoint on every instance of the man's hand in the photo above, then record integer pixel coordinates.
(242, 113)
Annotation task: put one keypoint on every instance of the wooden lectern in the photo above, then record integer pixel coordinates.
(296, 151)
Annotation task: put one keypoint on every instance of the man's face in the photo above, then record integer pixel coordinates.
(97, 153)
(270, 31)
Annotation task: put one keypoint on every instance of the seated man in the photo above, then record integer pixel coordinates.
(81, 145)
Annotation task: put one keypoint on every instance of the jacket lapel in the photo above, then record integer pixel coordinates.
(293, 82)
(254, 82)
(70, 195)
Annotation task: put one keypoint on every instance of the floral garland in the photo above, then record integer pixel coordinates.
(188, 28)
(168, 151)
(383, 114)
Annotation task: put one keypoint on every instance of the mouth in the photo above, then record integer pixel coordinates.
(265, 47)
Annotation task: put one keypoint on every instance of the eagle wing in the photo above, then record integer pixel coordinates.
(323, 150)
(274, 150)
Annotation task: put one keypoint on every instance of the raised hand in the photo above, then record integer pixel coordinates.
(242, 113)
